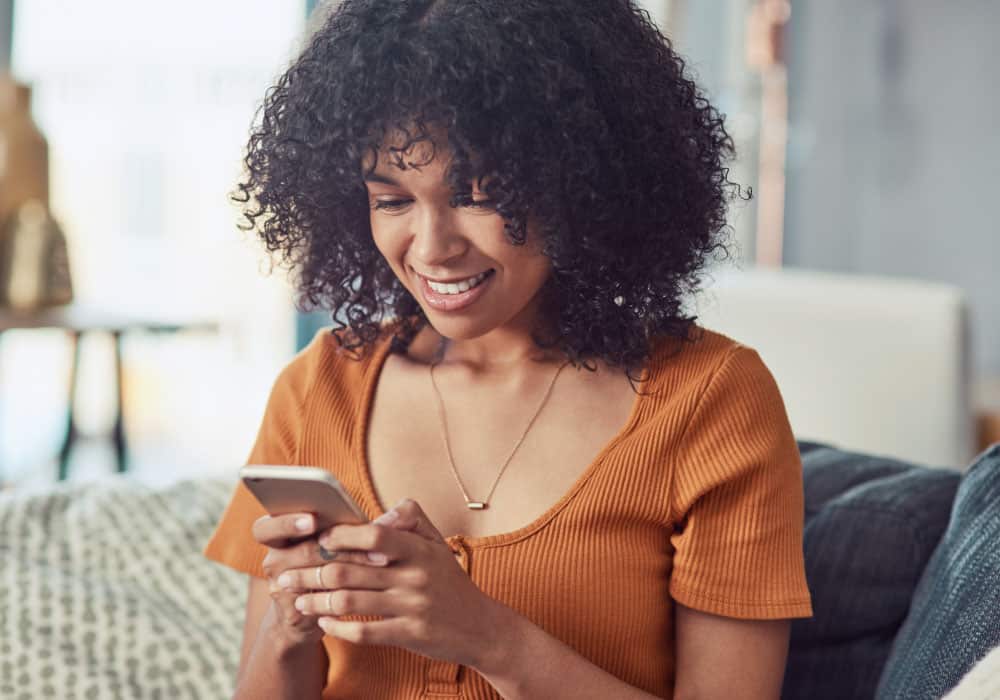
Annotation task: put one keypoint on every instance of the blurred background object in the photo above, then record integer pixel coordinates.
(892, 151)
(879, 114)
(24, 154)
(863, 128)
(146, 111)
(34, 267)
(875, 362)
(765, 53)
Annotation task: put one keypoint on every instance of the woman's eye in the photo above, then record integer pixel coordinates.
(467, 200)
(462, 200)
(390, 204)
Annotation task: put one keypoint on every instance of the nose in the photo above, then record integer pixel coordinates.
(436, 237)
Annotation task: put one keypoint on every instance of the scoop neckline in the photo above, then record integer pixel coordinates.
(363, 411)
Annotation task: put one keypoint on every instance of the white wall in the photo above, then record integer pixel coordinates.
(893, 164)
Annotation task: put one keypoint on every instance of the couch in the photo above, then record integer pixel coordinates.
(105, 594)
(904, 572)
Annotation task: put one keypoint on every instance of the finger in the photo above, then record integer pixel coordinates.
(383, 544)
(306, 554)
(392, 631)
(279, 530)
(349, 601)
(291, 619)
(348, 555)
(336, 576)
(408, 515)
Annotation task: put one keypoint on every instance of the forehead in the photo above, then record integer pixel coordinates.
(403, 150)
(422, 158)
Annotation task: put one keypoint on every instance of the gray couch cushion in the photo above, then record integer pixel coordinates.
(955, 615)
(871, 526)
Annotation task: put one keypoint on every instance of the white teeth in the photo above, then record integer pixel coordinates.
(457, 287)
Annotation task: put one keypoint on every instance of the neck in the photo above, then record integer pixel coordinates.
(491, 359)
(501, 351)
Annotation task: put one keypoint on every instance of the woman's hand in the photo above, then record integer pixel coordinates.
(283, 536)
(427, 603)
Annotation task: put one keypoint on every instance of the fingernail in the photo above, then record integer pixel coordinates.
(285, 580)
(387, 517)
(377, 558)
(300, 603)
(304, 524)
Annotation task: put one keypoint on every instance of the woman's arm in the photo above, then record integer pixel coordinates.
(527, 662)
(722, 657)
(718, 658)
(272, 666)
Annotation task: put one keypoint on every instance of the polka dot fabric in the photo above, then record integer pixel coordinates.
(104, 593)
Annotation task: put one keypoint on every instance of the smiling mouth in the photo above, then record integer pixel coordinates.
(459, 286)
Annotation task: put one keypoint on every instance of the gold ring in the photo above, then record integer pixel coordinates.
(319, 577)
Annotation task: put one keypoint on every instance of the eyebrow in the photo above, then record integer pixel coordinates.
(382, 179)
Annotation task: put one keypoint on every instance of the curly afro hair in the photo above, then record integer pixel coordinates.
(577, 114)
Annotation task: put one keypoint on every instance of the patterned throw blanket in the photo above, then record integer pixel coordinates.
(104, 593)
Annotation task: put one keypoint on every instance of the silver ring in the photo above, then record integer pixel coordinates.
(329, 602)
(319, 577)
(326, 554)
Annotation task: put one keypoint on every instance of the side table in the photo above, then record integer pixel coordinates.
(79, 320)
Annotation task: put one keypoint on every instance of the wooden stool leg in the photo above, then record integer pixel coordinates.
(119, 435)
(71, 432)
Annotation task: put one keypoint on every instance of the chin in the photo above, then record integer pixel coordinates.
(457, 328)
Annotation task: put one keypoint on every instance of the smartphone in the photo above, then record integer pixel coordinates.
(284, 489)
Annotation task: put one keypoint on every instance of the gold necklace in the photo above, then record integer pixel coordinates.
(481, 505)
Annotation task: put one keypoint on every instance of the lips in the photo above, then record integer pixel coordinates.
(449, 301)
(457, 286)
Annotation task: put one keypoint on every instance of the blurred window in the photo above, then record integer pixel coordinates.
(147, 108)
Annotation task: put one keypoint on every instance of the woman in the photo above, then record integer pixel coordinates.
(508, 203)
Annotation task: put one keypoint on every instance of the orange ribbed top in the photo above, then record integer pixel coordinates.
(698, 500)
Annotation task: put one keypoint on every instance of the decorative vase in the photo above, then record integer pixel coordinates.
(34, 264)
(24, 153)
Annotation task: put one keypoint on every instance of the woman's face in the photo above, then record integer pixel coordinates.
(455, 261)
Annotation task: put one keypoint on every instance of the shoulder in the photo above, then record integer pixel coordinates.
(722, 405)
(706, 361)
(732, 416)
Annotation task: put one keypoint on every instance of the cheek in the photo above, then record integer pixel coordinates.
(387, 242)
(535, 264)
(527, 274)
(541, 269)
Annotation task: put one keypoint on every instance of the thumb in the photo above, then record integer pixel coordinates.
(408, 515)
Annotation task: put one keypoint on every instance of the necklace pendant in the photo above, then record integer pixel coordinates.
(476, 505)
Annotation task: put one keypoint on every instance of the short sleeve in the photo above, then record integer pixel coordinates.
(277, 444)
(737, 500)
